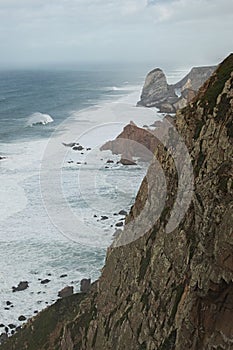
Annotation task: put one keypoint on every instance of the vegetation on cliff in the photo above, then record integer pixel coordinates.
(165, 290)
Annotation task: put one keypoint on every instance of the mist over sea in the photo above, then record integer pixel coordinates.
(37, 107)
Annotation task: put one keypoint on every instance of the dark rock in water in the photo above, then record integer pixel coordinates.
(6, 329)
(45, 281)
(82, 153)
(95, 216)
(107, 167)
(11, 326)
(145, 126)
(103, 217)
(12, 332)
(70, 162)
(78, 148)
(3, 338)
(8, 303)
(72, 144)
(21, 286)
(6, 308)
(85, 285)
(119, 224)
(2, 158)
(122, 212)
(2, 325)
(109, 161)
(88, 149)
(49, 274)
(125, 161)
(64, 275)
(36, 312)
(22, 318)
(66, 292)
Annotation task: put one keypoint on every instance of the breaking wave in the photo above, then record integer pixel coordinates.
(39, 119)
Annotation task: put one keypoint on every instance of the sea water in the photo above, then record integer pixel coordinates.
(47, 187)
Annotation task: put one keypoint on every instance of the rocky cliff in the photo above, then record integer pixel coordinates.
(158, 93)
(168, 289)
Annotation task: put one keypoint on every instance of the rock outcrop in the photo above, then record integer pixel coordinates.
(158, 93)
(166, 290)
(133, 142)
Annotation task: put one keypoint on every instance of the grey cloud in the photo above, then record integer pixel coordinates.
(189, 31)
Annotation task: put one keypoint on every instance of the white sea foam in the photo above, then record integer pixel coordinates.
(39, 119)
(31, 246)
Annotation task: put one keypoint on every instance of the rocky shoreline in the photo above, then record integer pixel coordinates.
(165, 290)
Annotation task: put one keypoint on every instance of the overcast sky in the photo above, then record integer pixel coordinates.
(184, 32)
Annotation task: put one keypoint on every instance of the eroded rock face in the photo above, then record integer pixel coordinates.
(164, 291)
(133, 142)
(158, 93)
(155, 88)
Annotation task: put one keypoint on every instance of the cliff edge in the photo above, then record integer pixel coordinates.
(165, 290)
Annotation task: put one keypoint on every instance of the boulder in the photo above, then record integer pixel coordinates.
(85, 285)
(22, 318)
(78, 148)
(122, 212)
(21, 286)
(119, 224)
(66, 292)
(125, 161)
(45, 281)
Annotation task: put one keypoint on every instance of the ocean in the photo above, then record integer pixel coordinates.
(58, 206)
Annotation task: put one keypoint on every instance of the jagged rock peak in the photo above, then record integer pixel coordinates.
(158, 93)
(155, 88)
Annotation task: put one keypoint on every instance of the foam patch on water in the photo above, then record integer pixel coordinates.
(39, 119)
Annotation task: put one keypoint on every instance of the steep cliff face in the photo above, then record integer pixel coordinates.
(169, 98)
(166, 290)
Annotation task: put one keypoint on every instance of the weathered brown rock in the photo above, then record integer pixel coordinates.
(66, 292)
(164, 291)
(85, 285)
(133, 142)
